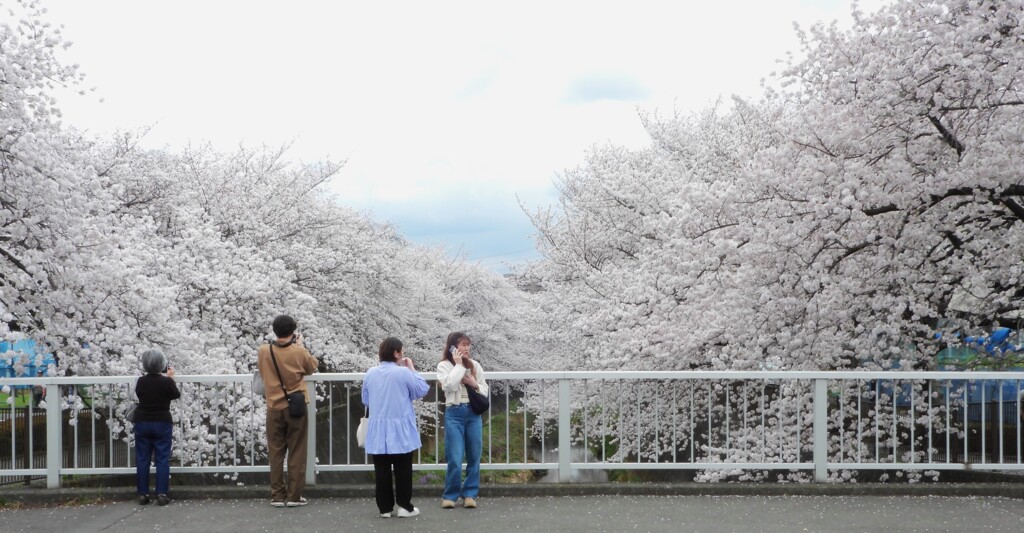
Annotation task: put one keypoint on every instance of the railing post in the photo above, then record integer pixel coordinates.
(54, 443)
(564, 432)
(311, 436)
(820, 430)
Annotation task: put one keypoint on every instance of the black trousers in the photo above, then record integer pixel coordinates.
(402, 493)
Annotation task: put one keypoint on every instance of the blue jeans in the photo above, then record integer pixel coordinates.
(463, 437)
(150, 438)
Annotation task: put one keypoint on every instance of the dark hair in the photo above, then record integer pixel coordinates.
(284, 326)
(454, 339)
(387, 350)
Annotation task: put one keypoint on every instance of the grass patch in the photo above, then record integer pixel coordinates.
(7, 505)
(77, 502)
(22, 398)
(12, 506)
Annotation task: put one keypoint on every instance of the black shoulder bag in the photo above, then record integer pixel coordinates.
(296, 400)
(478, 403)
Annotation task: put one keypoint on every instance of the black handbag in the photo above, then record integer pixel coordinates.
(478, 402)
(297, 404)
(296, 400)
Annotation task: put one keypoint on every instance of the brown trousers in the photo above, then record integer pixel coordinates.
(286, 435)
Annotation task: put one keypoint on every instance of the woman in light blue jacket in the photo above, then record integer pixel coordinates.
(391, 435)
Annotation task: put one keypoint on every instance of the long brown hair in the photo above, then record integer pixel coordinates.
(453, 340)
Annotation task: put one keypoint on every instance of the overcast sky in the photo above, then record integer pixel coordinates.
(448, 114)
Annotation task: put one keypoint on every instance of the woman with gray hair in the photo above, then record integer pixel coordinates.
(154, 426)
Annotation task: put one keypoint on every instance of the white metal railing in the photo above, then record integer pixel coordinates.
(724, 422)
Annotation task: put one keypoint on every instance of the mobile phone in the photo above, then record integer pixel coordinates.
(453, 350)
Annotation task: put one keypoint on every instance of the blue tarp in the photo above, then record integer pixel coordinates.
(974, 351)
(22, 354)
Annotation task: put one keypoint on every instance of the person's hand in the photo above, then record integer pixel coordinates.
(170, 371)
(457, 356)
(407, 363)
(469, 381)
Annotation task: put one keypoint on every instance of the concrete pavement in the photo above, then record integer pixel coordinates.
(891, 507)
(591, 513)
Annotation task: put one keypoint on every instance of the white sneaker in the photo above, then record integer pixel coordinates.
(402, 513)
(385, 515)
(300, 503)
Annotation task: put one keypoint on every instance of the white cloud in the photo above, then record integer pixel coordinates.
(431, 103)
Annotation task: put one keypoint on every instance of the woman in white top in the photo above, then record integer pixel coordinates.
(463, 429)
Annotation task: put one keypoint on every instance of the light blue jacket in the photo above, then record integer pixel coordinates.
(388, 391)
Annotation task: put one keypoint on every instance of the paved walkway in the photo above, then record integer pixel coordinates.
(590, 513)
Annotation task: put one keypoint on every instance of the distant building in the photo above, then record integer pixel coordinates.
(524, 284)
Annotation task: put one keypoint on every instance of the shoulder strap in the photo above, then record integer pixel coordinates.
(278, 370)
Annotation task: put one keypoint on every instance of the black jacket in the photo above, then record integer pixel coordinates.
(155, 392)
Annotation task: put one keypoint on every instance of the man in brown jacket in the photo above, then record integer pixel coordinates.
(285, 434)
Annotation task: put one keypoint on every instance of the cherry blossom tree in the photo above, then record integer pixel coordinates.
(49, 220)
(870, 202)
(107, 248)
(238, 238)
(904, 132)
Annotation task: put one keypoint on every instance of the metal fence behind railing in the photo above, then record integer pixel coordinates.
(724, 422)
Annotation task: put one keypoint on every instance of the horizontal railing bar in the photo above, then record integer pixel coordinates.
(24, 472)
(513, 466)
(795, 466)
(355, 467)
(925, 466)
(549, 466)
(757, 374)
(224, 469)
(692, 466)
(553, 375)
(440, 467)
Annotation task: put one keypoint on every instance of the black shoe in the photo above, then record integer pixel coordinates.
(144, 499)
(162, 499)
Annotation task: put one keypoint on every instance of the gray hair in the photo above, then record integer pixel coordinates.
(154, 361)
